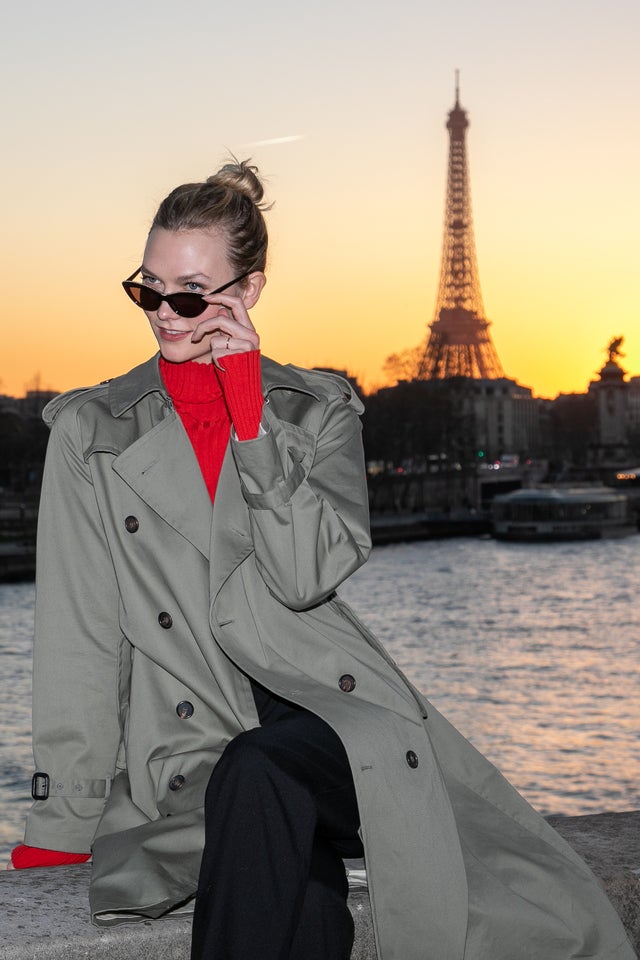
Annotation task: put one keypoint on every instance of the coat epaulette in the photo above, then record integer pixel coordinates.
(53, 408)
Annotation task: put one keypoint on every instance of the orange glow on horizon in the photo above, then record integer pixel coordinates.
(345, 330)
(354, 159)
(335, 298)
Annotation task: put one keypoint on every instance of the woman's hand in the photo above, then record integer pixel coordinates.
(231, 329)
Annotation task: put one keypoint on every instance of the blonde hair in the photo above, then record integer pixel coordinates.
(231, 201)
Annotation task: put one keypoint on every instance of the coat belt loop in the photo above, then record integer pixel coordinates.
(44, 787)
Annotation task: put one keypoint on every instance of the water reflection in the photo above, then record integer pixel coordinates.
(529, 649)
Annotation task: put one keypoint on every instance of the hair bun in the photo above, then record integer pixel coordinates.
(240, 176)
(231, 201)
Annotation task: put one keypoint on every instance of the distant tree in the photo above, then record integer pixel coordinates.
(403, 365)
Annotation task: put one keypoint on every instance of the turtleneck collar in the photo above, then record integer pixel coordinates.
(190, 382)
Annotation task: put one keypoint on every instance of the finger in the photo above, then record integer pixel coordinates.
(224, 344)
(234, 304)
(228, 320)
(235, 346)
(223, 327)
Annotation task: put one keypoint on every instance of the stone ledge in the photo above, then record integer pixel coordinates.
(610, 844)
(45, 913)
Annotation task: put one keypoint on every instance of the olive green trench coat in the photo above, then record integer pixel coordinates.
(153, 608)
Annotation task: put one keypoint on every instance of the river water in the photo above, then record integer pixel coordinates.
(531, 650)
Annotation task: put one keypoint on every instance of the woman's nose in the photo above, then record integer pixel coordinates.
(164, 312)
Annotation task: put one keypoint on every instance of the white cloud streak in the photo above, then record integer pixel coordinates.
(276, 140)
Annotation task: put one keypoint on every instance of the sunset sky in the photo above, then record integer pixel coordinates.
(343, 106)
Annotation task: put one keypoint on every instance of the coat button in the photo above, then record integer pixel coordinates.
(131, 524)
(165, 620)
(347, 683)
(412, 759)
(177, 782)
(184, 709)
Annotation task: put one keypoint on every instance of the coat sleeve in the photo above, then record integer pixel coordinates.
(307, 497)
(79, 652)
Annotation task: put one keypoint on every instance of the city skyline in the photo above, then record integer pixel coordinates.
(343, 108)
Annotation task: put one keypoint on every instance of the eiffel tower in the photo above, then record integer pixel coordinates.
(459, 344)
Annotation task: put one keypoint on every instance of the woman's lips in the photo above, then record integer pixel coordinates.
(173, 336)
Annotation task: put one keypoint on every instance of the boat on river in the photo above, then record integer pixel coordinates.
(562, 513)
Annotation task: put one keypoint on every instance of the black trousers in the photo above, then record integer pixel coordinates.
(280, 814)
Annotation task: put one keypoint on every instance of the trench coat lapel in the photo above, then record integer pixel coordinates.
(161, 467)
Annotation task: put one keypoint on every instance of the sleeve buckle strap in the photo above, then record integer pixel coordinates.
(42, 787)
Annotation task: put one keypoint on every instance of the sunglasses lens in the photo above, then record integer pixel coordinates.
(146, 298)
(142, 296)
(186, 304)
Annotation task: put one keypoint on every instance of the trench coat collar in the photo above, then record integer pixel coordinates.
(276, 376)
(126, 391)
(156, 477)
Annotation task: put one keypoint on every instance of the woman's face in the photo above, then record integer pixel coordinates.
(187, 261)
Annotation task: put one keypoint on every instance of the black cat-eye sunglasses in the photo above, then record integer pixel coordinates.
(184, 304)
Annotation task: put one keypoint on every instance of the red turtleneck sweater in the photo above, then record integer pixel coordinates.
(208, 400)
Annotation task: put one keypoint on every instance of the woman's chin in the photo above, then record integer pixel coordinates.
(183, 353)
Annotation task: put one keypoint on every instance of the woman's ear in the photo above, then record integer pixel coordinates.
(252, 289)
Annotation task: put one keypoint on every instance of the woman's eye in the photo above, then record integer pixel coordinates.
(149, 280)
(193, 287)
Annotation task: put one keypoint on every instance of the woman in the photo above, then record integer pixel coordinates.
(208, 715)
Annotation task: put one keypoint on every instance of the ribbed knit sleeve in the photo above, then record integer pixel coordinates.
(240, 378)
